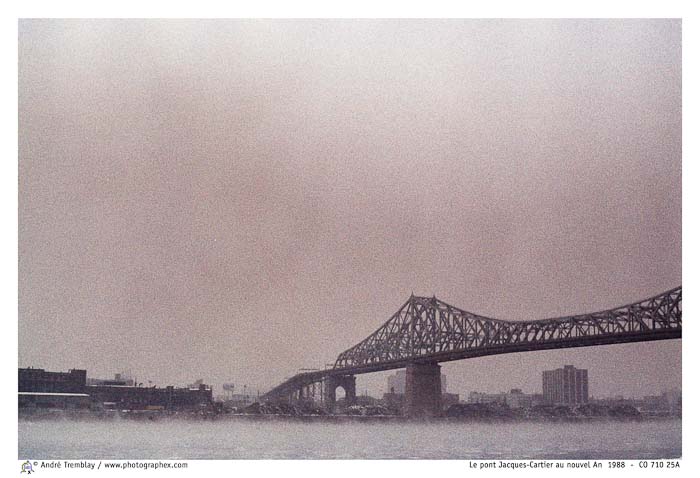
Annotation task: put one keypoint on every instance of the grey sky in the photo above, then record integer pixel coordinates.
(234, 200)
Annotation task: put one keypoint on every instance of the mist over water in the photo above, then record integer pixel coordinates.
(287, 439)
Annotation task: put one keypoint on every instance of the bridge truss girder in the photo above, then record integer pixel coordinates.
(427, 329)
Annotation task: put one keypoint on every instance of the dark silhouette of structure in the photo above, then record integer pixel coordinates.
(38, 380)
(39, 388)
(565, 386)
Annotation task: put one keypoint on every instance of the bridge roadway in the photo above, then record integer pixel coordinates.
(426, 331)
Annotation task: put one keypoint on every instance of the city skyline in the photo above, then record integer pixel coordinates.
(392, 378)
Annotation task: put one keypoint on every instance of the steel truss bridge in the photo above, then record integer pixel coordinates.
(426, 330)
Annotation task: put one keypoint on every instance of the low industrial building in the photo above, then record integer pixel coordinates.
(117, 380)
(513, 399)
(41, 389)
(151, 398)
(39, 380)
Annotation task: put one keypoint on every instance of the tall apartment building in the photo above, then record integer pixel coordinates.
(565, 386)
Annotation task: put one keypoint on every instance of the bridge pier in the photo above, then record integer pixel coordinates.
(335, 381)
(423, 395)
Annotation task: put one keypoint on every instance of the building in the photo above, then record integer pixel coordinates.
(118, 379)
(41, 389)
(669, 402)
(513, 399)
(481, 397)
(565, 386)
(396, 384)
(39, 380)
(517, 399)
(240, 400)
(123, 397)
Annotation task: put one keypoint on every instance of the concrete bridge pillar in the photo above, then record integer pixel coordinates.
(423, 395)
(335, 381)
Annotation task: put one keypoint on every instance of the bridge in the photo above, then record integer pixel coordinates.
(426, 331)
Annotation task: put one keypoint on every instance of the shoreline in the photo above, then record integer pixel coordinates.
(150, 416)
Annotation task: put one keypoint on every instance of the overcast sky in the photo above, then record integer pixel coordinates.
(234, 200)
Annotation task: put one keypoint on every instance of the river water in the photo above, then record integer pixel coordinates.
(294, 439)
